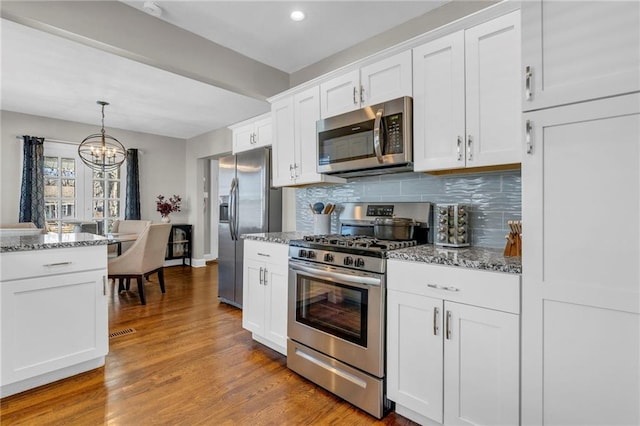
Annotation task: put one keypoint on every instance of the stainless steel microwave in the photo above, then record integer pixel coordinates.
(372, 140)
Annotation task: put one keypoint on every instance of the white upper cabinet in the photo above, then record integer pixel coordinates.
(466, 91)
(253, 133)
(576, 51)
(295, 154)
(384, 80)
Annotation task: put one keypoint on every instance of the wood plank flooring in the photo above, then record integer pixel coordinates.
(189, 362)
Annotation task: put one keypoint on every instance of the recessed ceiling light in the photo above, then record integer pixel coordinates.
(297, 15)
(152, 8)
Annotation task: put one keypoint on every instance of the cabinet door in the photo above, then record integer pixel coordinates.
(340, 94)
(243, 138)
(582, 172)
(578, 51)
(49, 323)
(253, 302)
(414, 353)
(439, 104)
(492, 64)
(283, 153)
(306, 113)
(276, 286)
(387, 79)
(481, 366)
(263, 133)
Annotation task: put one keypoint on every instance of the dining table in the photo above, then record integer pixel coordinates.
(119, 238)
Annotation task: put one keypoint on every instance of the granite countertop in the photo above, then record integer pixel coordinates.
(482, 258)
(487, 259)
(275, 237)
(13, 243)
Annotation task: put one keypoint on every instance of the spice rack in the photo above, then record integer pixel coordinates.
(452, 225)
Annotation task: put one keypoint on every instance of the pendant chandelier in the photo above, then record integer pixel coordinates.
(100, 151)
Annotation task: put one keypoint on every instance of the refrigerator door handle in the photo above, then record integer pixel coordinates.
(232, 209)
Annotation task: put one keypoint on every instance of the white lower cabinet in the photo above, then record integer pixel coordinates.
(53, 314)
(265, 278)
(449, 362)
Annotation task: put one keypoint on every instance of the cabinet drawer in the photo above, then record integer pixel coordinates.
(493, 290)
(266, 252)
(37, 263)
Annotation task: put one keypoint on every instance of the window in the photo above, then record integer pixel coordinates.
(74, 193)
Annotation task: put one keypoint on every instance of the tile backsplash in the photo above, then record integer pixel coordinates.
(495, 197)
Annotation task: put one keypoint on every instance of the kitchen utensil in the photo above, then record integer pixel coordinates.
(318, 207)
(327, 208)
(311, 208)
(513, 246)
(394, 228)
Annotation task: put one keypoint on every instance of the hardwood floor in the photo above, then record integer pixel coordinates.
(189, 362)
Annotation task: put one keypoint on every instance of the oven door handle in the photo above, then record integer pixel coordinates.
(356, 281)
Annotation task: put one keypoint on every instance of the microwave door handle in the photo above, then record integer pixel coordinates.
(377, 146)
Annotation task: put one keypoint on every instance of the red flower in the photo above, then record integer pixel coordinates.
(166, 207)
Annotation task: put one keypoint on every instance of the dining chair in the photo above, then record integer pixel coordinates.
(127, 227)
(144, 257)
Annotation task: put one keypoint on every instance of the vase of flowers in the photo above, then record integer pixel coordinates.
(165, 207)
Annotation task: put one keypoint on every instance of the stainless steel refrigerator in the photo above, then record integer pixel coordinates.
(248, 204)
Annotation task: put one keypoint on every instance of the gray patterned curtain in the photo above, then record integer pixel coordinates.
(32, 190)
(132, 201)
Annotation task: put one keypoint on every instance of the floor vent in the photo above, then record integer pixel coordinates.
(122, 333)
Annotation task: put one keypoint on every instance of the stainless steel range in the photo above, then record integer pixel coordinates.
(337, 299)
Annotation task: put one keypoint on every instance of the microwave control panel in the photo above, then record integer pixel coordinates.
(393, 128)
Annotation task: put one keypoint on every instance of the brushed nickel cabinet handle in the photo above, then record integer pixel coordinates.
(361, 94)
(436, 315)
(355, 90)
(260, 278)
(264, 280)
(459, 148)
(50, 265)
(528, 75)
(448, 331)
(527, 137)
(469, 148)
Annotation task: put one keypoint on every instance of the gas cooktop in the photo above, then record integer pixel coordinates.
(337, 242)
(362, 253)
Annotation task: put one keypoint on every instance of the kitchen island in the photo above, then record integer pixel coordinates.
(53, 308)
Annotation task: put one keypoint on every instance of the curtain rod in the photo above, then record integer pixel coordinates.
(54, 140)
(66, 142)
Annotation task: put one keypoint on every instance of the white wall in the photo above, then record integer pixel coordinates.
(200, 150)
(161, 161)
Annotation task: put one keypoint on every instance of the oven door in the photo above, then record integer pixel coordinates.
(339, 312)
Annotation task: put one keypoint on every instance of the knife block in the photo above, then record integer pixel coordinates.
(513, 248)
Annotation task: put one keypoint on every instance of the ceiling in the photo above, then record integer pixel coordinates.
(48, 75)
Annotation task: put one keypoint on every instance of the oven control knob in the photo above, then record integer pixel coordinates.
(359, 262)
(302, 253)
(348, 260)
(311, 254)
(328, 257)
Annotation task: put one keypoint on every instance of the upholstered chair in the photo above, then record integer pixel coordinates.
(144, 257)
(127, 227)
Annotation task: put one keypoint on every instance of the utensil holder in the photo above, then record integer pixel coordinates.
(321, 224)
(452, 225)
